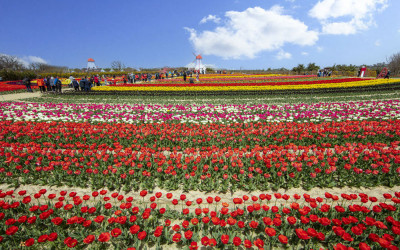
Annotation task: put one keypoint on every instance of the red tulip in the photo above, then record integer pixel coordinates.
(142, 235)
(283, 239)
(225, 239)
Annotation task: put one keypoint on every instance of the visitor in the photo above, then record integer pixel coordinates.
(136, 78)
(71, 78)
(53, 83)
(45, 83)
(88, 84)
(191, 80)
(82, 83)
(149, 77)
(197, 76)
(48, 84)
(91, 81)
(40, 83)
(27, 83)
(105, 80)
(75, 84)
(58, 85)
(387, 76)
(184, 76)
(96, 80)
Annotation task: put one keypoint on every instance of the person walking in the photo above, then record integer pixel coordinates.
(53, 83)
(88, 85)
(91, 81)
(96, 80)
(45, 83)
(82, 83)
(58, 85)
(71, 78)
(75, 84)
(27, 82)
(48, 86)
(105, 80)
(40, 83)
(184, 76)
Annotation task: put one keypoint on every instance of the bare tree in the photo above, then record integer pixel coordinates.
(10, 62)
(394, 63)
(117, 65)
(39, 67)
(44, 67)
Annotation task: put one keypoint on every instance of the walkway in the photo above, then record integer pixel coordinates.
(19, 96)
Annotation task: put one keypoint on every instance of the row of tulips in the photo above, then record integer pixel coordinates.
(248, 83)
(98, 220)
(139, 157)
(236, 135)
(253, 86)
(5, 87)
(208, 78)
(200, 114)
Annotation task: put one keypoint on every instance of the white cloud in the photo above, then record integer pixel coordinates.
(320, 49)
(304, 53)
(211, 18)
(357, 15)
(251, 31)
(283, 55)
(26, 60)
(377, 43)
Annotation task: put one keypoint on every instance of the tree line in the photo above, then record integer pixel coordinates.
(12, 68)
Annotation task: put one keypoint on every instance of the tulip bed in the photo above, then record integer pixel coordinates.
(11, 86)
(246, 83)
(257, 87)
(100, 176)
(97, 220)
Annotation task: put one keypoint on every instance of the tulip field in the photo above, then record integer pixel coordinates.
(160, 166)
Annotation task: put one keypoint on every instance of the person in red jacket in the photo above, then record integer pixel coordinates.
(40, 83)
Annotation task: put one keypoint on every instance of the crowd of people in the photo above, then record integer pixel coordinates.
(324, 73)
(54, 84)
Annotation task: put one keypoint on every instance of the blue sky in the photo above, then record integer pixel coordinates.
(248, 34)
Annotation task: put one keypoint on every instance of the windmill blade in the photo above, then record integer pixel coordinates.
(194, 54)
(193, 60)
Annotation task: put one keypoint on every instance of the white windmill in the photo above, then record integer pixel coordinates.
(90, 64)
(199, 66)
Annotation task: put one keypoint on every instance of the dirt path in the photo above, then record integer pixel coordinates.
(193, 195)
(19, 96)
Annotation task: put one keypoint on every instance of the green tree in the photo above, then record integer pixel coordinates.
(312, 67)
(299, 69)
